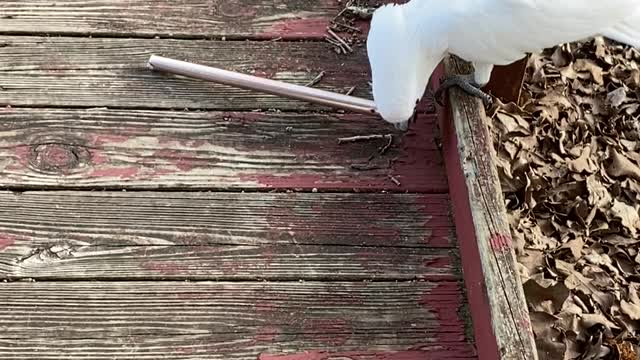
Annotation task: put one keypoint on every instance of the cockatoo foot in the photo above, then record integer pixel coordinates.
(467, 85)
(404, 126)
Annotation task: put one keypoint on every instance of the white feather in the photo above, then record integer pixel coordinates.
(484, 32)
(399, 74)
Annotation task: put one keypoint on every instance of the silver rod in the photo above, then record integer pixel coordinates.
(269, 86)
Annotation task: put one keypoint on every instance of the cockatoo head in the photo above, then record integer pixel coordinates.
(400, 62)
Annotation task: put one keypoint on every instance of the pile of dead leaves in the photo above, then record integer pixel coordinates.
(569, 161)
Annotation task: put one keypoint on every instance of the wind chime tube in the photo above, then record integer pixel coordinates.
(269, 86)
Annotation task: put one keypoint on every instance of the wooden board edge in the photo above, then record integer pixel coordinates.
(498, 307)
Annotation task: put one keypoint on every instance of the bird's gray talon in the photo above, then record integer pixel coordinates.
(467, 85)
(402, 126)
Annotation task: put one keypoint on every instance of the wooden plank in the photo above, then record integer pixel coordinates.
(258, 19)
(99, 148)
(218, 320)
(90, 72)
(61, 261)
(277, 236)
(496, 297)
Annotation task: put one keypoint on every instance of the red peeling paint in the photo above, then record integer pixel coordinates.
(23, 154)
(267, 254)
(265, 308)
(191, 144)
(325, 218)
(115, 172)
(6, 241)
(101, 139)
(162, 171)
(415, 169)
(182, 160)
(501, 242)
(264, 72)
(445, 302)
(98, 157)
(332, 332)
(441, 262)
(267, 333)
(438, 221)
(241, 117)
(164, 267)
(298, 28)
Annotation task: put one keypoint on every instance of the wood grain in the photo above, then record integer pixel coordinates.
(258, 19)
(85, 72)
(100, 148)
(222, 320)
(496, 297)
(146, 235)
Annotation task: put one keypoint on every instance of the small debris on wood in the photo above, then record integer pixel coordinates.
(350, 91)
(381, 151)
(337, 47)
(364, 167)
(384, 149)
(316, 80)
(395, 181)
(348, 27)
(340, 40)
(362, 138)
(361, 12)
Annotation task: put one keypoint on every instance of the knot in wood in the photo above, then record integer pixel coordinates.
(57, 157)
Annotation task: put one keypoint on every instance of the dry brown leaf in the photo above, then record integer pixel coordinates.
(573, 189)
(598, 194)
(631, 307)
(548, 299)
(621, 166)
(584, 163)
(627, 214)
(575, 246)
(616, 97)
(588, 65)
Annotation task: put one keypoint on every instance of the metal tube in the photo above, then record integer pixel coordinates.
(269, 86)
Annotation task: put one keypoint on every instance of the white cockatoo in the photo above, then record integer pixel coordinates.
(407, 42)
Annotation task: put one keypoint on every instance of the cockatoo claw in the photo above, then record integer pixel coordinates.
(467, 86)
(402, 126)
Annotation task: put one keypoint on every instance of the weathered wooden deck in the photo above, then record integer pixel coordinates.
(146, 216)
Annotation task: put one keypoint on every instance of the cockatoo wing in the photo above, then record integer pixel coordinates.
(626, 32)
(501, 31)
